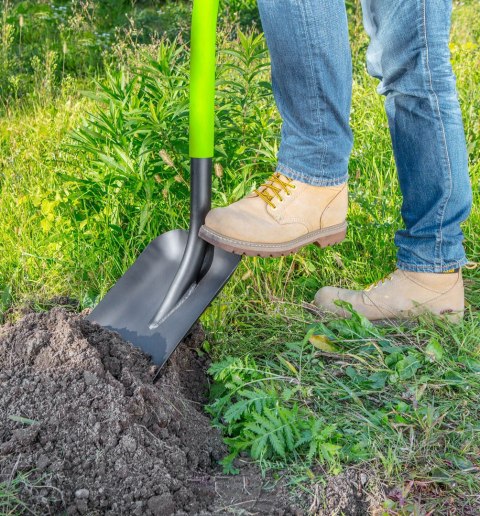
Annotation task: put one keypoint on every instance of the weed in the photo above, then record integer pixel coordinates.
(351, 392)
(10, 503)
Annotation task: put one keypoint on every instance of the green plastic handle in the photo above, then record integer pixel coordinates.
(202, 77)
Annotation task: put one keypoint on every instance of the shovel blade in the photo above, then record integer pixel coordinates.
(130, 304)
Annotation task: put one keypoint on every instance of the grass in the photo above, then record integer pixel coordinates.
(402, 401)
(10, 502)
(77, 208)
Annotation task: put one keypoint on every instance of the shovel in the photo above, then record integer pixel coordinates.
(161, 296)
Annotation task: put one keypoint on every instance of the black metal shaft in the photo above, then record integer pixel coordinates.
(196, 250)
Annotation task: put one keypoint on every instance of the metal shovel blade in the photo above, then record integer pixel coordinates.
(131, 303)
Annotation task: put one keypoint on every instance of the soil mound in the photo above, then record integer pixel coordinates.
(81, 414)
(103, 438)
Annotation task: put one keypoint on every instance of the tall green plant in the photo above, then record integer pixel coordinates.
(137, 146)
(136, 138)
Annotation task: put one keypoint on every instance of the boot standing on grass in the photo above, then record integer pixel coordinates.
(305, 200)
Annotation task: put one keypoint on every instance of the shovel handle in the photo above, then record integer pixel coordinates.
(202, 97)
(202, 78)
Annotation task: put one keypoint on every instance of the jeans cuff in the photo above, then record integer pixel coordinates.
(413, 267)
(309, 179)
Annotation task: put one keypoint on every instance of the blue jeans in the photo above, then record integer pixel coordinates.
(408, 51)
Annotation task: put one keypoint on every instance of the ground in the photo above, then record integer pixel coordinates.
(94, 165)
(95, 428)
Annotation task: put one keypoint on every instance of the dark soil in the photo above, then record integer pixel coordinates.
(103, 435)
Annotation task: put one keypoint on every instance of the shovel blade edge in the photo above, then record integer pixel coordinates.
(130, 304)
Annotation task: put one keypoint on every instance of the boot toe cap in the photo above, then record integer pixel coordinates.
(230, 223)
(325, 297)
(236, 223)
(215, 219)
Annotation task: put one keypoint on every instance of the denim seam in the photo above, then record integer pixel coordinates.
(320, 119)
(441, 215)
(308, 179)
(413, 267)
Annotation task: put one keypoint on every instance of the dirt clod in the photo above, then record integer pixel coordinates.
(84, 415)
(341, 495)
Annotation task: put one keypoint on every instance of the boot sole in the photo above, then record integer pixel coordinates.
(322, 238)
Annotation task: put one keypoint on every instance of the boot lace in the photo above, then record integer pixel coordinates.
(272, 188)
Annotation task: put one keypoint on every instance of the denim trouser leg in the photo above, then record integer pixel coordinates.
(409, 53)
(312, 84)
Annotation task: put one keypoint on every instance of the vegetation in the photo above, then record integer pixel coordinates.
(10, 504)
(400, 401)
(94, 164)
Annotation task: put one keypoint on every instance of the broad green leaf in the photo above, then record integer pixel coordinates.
(454, 378)
(321, 329)
(408, 367)
(323, 343)
(472, 364)
(459, 462)
(378, 380)
(351, 372)
(434, 350)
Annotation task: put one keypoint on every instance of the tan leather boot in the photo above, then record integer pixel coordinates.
(279, 218)
(401, 295)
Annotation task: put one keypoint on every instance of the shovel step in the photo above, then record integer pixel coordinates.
(131, 303)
